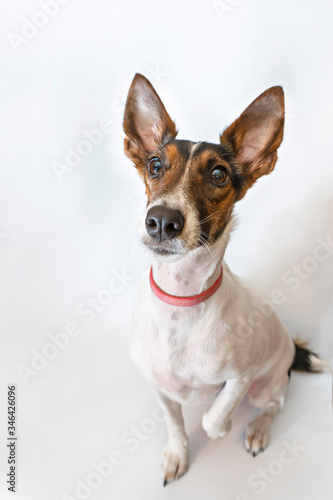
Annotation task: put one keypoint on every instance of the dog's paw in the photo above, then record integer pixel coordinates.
(215, 429)
(175, 460)
(257, 435)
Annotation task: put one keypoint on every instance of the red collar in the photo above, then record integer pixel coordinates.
(194, 300)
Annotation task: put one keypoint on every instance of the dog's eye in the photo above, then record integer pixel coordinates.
(219, 175)
(155, 166)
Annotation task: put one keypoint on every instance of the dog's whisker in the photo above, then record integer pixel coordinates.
(209, 238)
(205, 245)
(212, 215)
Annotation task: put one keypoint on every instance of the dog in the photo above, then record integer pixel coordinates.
(190, 335)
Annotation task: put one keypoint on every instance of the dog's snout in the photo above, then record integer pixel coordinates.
(164, 223)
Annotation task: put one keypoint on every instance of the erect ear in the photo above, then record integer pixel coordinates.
(256, 135)
(147, 124)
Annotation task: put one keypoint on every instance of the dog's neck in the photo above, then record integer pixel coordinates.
(195, 272)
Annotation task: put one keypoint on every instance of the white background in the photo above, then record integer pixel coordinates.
(62, 240)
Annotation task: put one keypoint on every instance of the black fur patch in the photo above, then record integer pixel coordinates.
(184, 147)
(302, 359)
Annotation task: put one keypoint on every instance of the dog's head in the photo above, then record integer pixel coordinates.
(192, 187)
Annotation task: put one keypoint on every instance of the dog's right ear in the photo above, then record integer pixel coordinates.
(147, 124)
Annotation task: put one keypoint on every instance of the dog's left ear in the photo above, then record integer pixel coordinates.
(147, 124)
(256, 135)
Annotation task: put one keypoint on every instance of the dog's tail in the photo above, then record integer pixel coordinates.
(308, 361)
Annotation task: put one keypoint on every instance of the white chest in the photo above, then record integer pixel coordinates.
(189, 352)
(176, 350)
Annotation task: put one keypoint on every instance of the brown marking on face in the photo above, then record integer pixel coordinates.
(214, 202)
(174, 167)
(247, 150)
(192, 173)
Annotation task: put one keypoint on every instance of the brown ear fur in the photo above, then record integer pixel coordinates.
(147, 124)
(256, 135)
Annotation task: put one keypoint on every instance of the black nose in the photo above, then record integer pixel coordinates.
(164, 223)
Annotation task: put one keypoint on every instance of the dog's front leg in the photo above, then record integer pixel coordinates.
(217, 420)
(175, 455)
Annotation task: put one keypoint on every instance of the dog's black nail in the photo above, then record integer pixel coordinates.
(254, 454)
(165, 482)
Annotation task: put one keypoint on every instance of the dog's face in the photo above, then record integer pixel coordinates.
(192, 187)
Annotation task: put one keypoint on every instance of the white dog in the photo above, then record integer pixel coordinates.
(191, 335)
